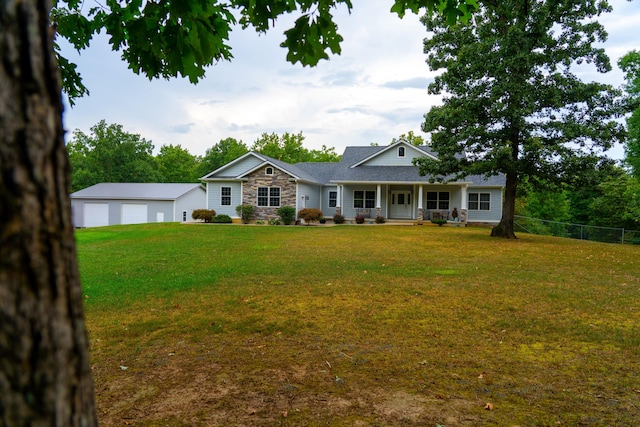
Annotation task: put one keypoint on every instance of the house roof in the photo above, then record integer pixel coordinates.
(353, 167)
(149, 191)
(293, 170)
(369, 154)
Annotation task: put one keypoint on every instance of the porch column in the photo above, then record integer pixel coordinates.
(420, 211)
(378, 200)
(463, 204)
(339, 199)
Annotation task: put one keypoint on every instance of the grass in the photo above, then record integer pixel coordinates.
(359, 325)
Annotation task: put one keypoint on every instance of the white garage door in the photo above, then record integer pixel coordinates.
(96, 214)
(134, 213)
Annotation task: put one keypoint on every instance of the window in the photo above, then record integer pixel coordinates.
(333, 199)
(184, 216)
(364, 199)
(225, 196)
(438, 200)
(268, 170)
(479, 201)
(269, 196)
(401, 151)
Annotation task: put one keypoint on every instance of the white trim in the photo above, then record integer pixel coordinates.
(230, 196)
(223, 167)
(268, 205)
(264, 165)
(480, 201)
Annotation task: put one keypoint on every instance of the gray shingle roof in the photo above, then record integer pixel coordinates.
(149, 191)
(291, 169)
(326, 173)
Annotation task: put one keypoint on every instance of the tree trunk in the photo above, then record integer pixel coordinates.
(45, 376)
(505, 227)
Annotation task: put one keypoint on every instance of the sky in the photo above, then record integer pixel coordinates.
(376, 90)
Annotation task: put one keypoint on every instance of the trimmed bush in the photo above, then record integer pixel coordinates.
(439, 221)
(359, 219)
(222, 219)
(380, 219)
(245, 212)
(338, 219)
(287, 214)
(204, 214)
(310, 214)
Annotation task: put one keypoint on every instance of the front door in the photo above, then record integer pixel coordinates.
(400, 204)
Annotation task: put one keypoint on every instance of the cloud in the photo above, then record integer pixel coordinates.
(412, 83)
(182, 128)
(358, 109)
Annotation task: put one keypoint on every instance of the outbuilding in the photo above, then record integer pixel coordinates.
(134, 203)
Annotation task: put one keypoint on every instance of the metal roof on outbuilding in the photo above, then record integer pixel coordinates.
(148, 191)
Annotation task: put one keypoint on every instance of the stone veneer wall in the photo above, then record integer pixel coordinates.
(260, 179)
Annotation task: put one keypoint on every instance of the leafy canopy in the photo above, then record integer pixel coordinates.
(170, 38)
(512, 102)
(109, 154)
(630, 64)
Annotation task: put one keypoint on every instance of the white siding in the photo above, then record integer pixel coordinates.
(195, 199)
(214, 193)
(494, 213)
(313, 194)
(248, 163)
(326, 210)
(390, 157)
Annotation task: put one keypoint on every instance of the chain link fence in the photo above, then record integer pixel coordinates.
(576, 231)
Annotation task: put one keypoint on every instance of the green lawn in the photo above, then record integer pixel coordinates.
(360, 325)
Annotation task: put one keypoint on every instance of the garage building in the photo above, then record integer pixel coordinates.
(135, 203)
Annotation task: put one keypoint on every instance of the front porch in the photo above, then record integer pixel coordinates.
(410, 202)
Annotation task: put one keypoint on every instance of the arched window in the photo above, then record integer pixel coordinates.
(268, 170)
(401, 151)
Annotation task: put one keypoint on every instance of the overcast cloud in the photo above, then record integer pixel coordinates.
(374, 91)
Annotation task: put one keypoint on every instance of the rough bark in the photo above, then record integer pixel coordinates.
(45, 376)
(505, 226)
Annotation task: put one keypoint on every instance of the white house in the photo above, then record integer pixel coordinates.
(370, 181)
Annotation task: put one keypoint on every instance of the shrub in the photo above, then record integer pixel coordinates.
(275, 221)
(310, 214)
(359, 219)
(439, 221)
(245, 212)
(380, 219)
(338, 219)
(204, 214)
(222, 219)
(287, 214)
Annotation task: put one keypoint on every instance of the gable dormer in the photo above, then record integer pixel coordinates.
(400, 153)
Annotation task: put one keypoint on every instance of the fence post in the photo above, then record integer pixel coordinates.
(623, 236)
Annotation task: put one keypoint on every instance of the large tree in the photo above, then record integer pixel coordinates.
(220, 154)
(630, 64)
(513, 103)
(176, 164)
(45, 376)
(110, 154)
